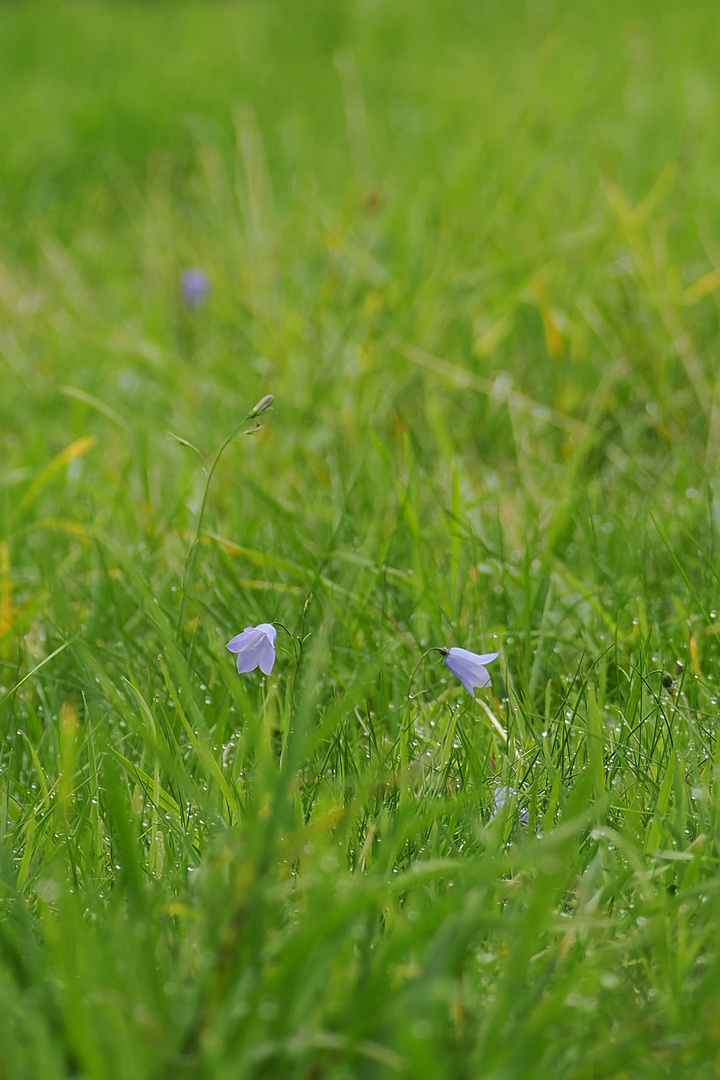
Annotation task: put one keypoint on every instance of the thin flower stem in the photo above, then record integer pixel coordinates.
(433, 648)
(192, 553)
(292, 637)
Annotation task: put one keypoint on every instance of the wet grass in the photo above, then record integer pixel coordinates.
(473, 253)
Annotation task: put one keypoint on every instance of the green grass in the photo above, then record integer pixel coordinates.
(473, 250)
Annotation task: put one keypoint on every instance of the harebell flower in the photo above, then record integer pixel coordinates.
(255, 647)
(469, 667)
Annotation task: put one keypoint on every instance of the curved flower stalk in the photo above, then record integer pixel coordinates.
(262, 406)
(469, 667)
(255, 647)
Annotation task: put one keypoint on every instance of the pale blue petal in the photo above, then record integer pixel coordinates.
(469, 667)
(459, 667)
(482, 677)
(240, 641)
(479, 658)
(500, 797)
(468, 682)
(255, 647)
(247, 660)
(266, 656)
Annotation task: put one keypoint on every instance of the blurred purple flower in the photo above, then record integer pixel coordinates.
(255, 647)
(470, 667)
(500, 798)
(194, 285)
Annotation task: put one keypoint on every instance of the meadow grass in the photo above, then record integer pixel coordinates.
(473, 250)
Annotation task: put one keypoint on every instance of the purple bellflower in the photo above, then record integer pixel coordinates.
(194, 285)
(255, 647)
(469, 667)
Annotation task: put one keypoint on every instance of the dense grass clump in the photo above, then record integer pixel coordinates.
(473, 251)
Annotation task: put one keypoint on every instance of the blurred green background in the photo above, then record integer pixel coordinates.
(473, 250)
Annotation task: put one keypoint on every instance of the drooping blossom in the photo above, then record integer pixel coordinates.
(255, 647)
(195, 286)
(469, 667)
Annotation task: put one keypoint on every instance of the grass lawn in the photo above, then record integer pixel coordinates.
(473, 250)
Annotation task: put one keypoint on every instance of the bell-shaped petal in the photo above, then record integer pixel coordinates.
(255, 647)
(470, 667)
